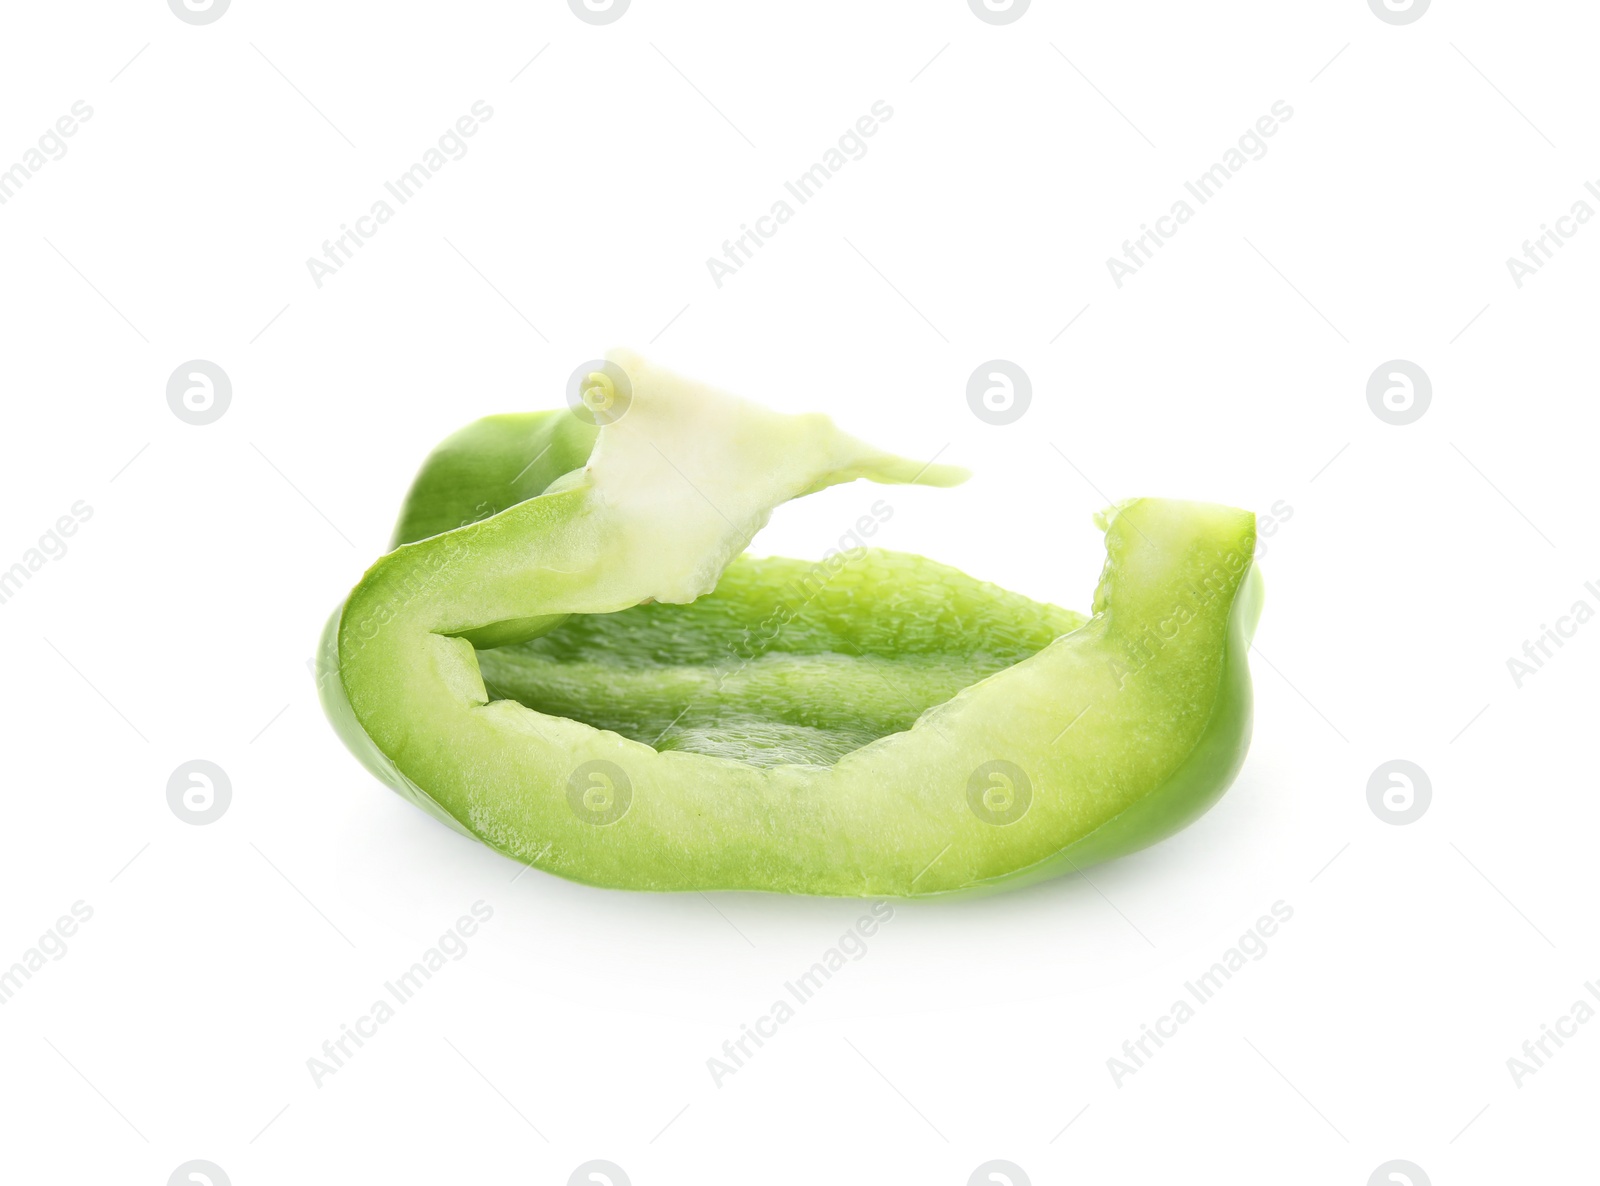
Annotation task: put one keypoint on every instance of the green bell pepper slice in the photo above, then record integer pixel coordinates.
(567, 657)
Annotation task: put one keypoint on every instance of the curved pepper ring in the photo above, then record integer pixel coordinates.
(566, 656)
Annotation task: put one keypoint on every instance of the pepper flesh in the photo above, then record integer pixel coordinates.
(569, 660)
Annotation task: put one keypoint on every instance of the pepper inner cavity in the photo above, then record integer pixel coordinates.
(785, 662)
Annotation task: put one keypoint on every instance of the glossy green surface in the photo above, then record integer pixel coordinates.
(872, 724)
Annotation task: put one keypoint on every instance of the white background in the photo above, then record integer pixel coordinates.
(1233, 368)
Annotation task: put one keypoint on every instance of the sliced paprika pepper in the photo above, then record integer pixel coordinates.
(566, 656)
